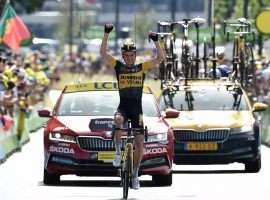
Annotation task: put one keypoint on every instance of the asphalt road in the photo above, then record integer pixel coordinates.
(21, 178)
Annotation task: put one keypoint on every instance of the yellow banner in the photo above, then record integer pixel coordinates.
(110, 85)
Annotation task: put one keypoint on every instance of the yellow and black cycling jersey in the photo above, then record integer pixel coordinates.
(130, 79)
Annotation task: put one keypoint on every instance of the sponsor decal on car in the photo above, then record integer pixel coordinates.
(80, 87)
(155, 151)
(106, 85)
(151, 145)
(64, 150)
(101, 124)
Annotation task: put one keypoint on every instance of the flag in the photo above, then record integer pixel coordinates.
(12, 29)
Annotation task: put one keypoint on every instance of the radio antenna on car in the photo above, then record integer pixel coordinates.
(80, 48)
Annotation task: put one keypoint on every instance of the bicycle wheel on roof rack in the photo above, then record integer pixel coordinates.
(235, 59)
(242, 69)
(161, 75)
(185, 61)
(174, 58)
(250, 62)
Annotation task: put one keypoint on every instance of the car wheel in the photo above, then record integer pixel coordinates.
(50, 179)
(253, 166)
(162, 180)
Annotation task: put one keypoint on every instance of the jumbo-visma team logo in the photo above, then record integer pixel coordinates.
(8, 26)
(130, 80)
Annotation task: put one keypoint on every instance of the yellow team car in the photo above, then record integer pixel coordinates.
(213, 123)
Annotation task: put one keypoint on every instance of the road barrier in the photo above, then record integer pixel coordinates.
(2, 154)
(17, 135)
(265, 127)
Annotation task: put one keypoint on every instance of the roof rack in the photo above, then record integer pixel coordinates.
(181, 82)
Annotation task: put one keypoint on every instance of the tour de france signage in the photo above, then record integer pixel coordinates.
(262, 21)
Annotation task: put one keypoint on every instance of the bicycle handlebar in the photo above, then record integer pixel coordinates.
(164, 33)
(126, 129)
(145, 131)
(240, 24)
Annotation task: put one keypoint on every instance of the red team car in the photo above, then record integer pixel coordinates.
(78, 139)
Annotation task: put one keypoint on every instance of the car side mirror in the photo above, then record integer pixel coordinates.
(171, 113)
(45, 112)
(258, 107)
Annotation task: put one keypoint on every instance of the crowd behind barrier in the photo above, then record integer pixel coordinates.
(24, 84)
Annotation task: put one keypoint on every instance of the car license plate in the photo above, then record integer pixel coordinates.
(106, 156)
(201, 146)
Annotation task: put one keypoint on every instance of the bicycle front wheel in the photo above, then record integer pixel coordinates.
(126, 175)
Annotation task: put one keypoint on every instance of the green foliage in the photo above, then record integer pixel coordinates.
(143, 22)
(233, 9)
(223, 9)
(29, 5)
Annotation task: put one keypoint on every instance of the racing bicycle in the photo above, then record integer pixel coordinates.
(186, 58)
(243, 60)
(168, 68)
(127, 169)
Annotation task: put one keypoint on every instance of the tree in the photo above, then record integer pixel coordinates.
(223, 10)
(234, 9)
(29, 5)
(142, 27)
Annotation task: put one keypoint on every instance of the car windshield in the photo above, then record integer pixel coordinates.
(203, 100)
(100, 103)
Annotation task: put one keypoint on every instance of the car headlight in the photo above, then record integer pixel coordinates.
(243, 129)
(160, 137)
(62, 138)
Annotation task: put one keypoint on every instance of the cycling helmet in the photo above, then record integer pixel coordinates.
(128, 46)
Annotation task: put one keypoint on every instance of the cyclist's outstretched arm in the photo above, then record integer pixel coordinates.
(103, 47)
(160, 54)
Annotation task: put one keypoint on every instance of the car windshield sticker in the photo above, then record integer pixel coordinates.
(102, 124)
(94, 86)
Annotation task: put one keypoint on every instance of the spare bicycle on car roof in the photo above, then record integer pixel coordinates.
(243, 59)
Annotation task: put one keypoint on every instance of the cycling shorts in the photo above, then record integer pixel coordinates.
(131, 109)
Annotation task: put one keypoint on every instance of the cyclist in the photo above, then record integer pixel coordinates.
(130, 77)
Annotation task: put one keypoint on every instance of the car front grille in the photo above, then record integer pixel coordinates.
(98, 144)
(197, 136)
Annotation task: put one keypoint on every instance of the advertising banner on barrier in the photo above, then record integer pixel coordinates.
(2, 155)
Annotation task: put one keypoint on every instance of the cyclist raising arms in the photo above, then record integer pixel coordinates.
(130, 77)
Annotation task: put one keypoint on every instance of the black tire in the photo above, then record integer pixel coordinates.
(50, 179)
(243, 71)
(162, 180)
(185, 60)
(162, 71)
(235, 59)
(253, 166)
(126, 174)
(250, 62)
